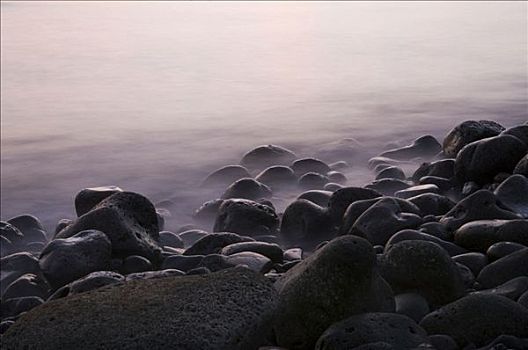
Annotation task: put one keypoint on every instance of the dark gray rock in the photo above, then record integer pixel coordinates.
(424, 267)
(343, 197)
(474, 261)
(443, 342)
(467, 276)
(247, 188)
(399, 331)
(31, 228)
(198, 271)
(501, 249)
(6, 247)
(313, 181)
(522, 166)
(336, 282)
(481, 160)
(246, 217)
(264, 156)
(436, 229)
(412, 305)
(146, 275)
(254, 261)
(442, 183)
(308, 165)
(467, 132)
(336, 177)
(417, 190)
(170, 239)
(64, 260)
(12, 234)
(277, 177)
(62, 224)
(214, 242)
(391, 172)
(481, 234)
(388, 187)
(95, 280)
(88, 198)
(182, 262)
(135, 263)
(27, 285)
(128, 219)
(425, 147)
(504, 269)
(226, 175)
(318, 197)
(339, 165)
(15, 306)
(523, 300)
(478, 319)
(216, 262)
(4, 326)
(375, 161)
(272, 251)
(512, 289)
(513, 194)
(519, 131)
(413, 235)
(191, 236)
(15, 265)
(207, 212)
(293, 254)
(444, 168)
(432, 204)
(507, 342)
(332, 187)
(226, 310)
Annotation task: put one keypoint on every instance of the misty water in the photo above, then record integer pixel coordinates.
(153, 96)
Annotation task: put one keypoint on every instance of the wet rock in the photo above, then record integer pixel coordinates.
(4, 326)
(481, 160)
(310, 165)
(254, 261)
(246, 217)
(12, 234)
(277, 177)
(474, 261)
(512, 193)
(467, 276)
(388, 187)
(128, 219)
(31, 228)
(424, 267)
(62, 224)
(264, 156)
(342, 198)
(481, 205)
(27, 285)
(391, 172)
(478, 319)
(336, 282)
(313, 181)
(226, 175)
(399, 331)
(507, 342)
(170, 239)
(443, 184)
(519, 131)
(412, 305)
(425, 147)
(64, 260)
(182, 262)
(88, 198)
(293, 254)
(511, 289)
(271, 251)
(481, 234)
(337, 177)
(16, 306)
(432, 204)
(501, 249)
(95, 280)
(214, 242)
(467, 132)
(522, 166)
(523, 300)
(417, 190)
(413, 235)
(504, 269)
(207, 212)
(318, 197)
(225, 310)
(442, 341)
(15, 265)
(135, 263)
(444, 168)
(247, 188)
(191, 236)
(273, 239)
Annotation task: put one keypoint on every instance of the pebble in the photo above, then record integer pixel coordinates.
(319, 197)
(414, 235)
(191, 236)
(388, 187)
(342, 198)
(135, 263)
(27, 285)
(313, 181)
(15, 265)
(391, 172)
(473, 260)
(412, 305)
(184, 263)
(254, 261)
(432, 203)
(417, 190)
(522, 166)
(444, 168)
(214, 242)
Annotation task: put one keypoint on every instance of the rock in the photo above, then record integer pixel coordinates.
(425, 147)
(424, 267)
(216, 262)
(214, 242)
(399, 331)
(31, 228)
(310, 165)
(62, 224)
(64, 260)
(481, 160)
(391, 172)
(417, 190)
(25, 286)
(411, 305)
(226, 175)
(375, 161)
(6, 247)
(504, 269)
(128, 219)
(254, 261)
(470, 187)
(519, 131)
(95, 280)
(481, 234)
(271, 251)
(313, 181)
(146, 275)
(247, 188)
(199, 271)
(15, 265)
(319, 197)
(513, 289)
(336, 282)
(444, 168)
(474, 261)
(277, 177)
(170, 239)
(436, 229)
(15, 306)
(337, 177)
(413, 235)
(191, 236)
(432, 204)
(467, 276)
(226, 310)
(264, 156)
(273, 239)
(332, 187)
(481, 205)
(342, 198)
(182, 262)
(506, 342)
(522, 166)
(347, 148)
(512, 194)
(305, 224)
(246, 217)
(340, 165)
(135, 263)
(468, 132)
(443, 184)
(501, 249)
(4, 326)
(12, 234)
(523, 300)
(208, 211)
(88, 198)
(388, 187)
(293, 254)
(478, 319)
(443, 342)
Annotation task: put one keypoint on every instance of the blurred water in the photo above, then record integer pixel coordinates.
(151, 96)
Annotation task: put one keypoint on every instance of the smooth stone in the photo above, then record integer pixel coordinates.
(135, 263)
(443, 342)
(95, 280)
(467, 276)
(336, 282)
(281, 268)
(171, 251)
(246, 217)
(62, 224)
(147, 275)
(313, 181)
(375, 161)
(444, 168)
(432, 203)
(214, 242)
(319, 197)
(216, 262)
(15, 306)
(436, 229)
(12, 234)
(207, 212)
(226, 310)
(264, 156)
(391, 172)
(128, 219)
(186, 227)
(31, 228)
(271, 251)
(481, 234)
(6, 247)
(198, 271)
(191, 236)
(513, 194)
(4, 326)
(247, 188)
(293, 254)
(442, 183)
(88, 198)
(522, 166)
(15, 265)
(339, 165)
(412, 305)
(523, 300)
(254, 261)
(64, 260)
(336, 177)
(507, 342)
(170, 239)
(414, 235)
(388, 187)
(342, 198)
(332, 187)
(512, 289)
(468, 132)
(182, 262)
(309, 165)
(27, 285)
(478, 319)
(519, 131)
(473, 260)
(425, 147)
(417, 190)
(481, 160)
(424, 267)
(272, 239)
(380, 167)
(481, 205)
(501, 249)
(277, 177)
(399, 331)
(305, 224)
(226, 175)
(470, 187)
(504, 269)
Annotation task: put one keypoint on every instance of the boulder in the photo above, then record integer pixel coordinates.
(226, 175)
(388, 187)
(31, 228)
(417, 190)
(15, 265)
(342, 198)
(182, 262)
(254, 261)
(246, 217)
(336, 177)
(432, 204)
(88, 198)
(481, 234)
(414, 235)
(313, 181)
(277, 177)
(247, 188)
(170, 239)
(319, 197)
(207, 212)
(501, 249)
(135, 263)
(27, 285)
(412, 305)
(468, 132)
(444, 168)
(214, 242)
(522, 166)
(191, 236)
(307, 165)
(391, 172)
(15, 306)
(264, 156)
(473, 260)
(512, 289)
(519, 131)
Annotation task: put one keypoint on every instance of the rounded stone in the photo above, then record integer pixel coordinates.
(414, 235)
(467, 132)
(501, 249)
(135, 263)
(512, 193)
(15, 265)
(337, 177)
(425, 147)
(264, 156)
(206, 213)
(26, 285)
(319, 197)
(226, 175)
(214, 242)
(182, 262)
(432, 204)
(307, 165)
(522, 166)
(473, 260)
(88, 198)
(95, 280)
(31, 228)
(481, 234)
(254, 261)
(412, 305)
(519, 131)
(417, 190)
(502, 270)
(191, 236)
(391, 172)
(342, 198)
(388, 187)
(277, 177)
(313, 181)
(246, 217)
(247, 188)
(170, 239)
(271, 251)
(444, 168)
